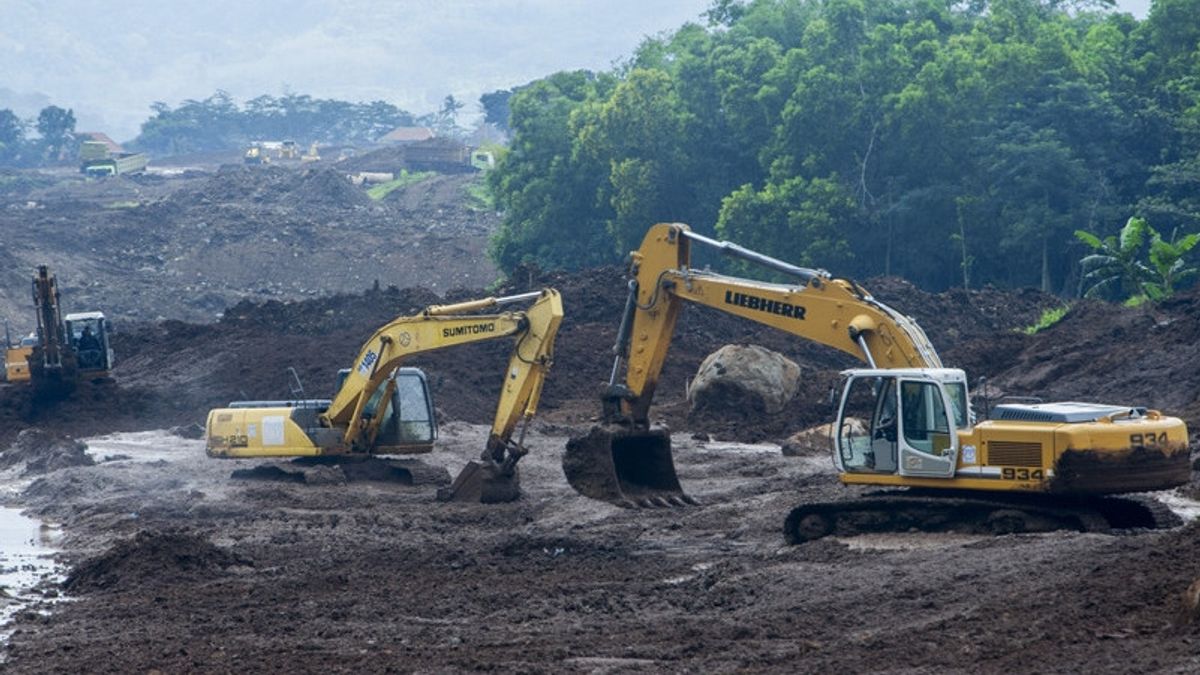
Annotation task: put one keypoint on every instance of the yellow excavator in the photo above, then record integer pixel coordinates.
(905, 421)
(382, 409)
(64, 350)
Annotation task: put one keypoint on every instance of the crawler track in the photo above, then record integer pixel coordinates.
(960, 512)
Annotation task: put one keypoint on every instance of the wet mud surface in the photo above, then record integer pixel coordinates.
(176, 567)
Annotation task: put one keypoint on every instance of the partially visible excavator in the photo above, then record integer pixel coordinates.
(381, 408)
(905, 421)
(64, 350)
(16, 355)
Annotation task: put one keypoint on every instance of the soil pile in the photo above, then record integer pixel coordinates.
(42, 451)
(319, 187)
(388, 159)
(1126, 356)
(150, 558)
(186, 246)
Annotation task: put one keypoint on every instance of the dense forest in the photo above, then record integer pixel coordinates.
(952, 143)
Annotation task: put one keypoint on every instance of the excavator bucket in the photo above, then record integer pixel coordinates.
(483, 483)
(625, 467)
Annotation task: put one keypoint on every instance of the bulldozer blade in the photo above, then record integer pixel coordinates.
(484, 483)
(629, 468)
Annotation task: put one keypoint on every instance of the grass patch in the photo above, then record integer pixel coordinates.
(1048, 318)
(131, 204)
(479, 196)
(403, 180)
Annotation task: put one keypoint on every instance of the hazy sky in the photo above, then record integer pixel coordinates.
(110, 60)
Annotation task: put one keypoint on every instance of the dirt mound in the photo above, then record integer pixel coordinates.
(43, 451)
(323, 316)
(271, 185)
(389, 159)
(326, 187)
(1115, 354)
(150, 558)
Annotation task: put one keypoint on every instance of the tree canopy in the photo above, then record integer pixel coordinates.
(953, 143)
(218, 122)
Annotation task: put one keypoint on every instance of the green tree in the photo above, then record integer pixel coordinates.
(12, 135)
(546, 190)
(954, 143)
(496, 110)
(57, 128)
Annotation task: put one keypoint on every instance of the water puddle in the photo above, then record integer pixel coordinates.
(1185, 508)
(906, 541)
(27, 547)
(141, 446)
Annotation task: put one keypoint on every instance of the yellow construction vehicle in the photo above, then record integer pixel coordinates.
(63, 350)
(289, 150)
(906, 421)
(255, 154)
(16, 356)
(381, 408)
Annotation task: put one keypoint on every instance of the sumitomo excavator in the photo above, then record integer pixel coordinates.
(382, 408)
(904, 421)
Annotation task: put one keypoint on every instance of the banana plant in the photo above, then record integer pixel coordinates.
(1167, 259)
(1116, 265)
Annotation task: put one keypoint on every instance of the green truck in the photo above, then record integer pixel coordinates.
(95, 159)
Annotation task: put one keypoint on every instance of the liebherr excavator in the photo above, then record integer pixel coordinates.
(381, 408)
(904, 421)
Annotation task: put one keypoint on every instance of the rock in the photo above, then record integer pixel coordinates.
(324, 475)
(818, 440)
(1189, 604)
(44, 451)
(744, 376)
(193, 431)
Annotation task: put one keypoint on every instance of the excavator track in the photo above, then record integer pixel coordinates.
(917, 511)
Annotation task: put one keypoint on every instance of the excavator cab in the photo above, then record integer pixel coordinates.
(901, 421)
(88, 333)
(408, 425)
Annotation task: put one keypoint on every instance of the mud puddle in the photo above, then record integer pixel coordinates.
(27, 548)
(142, 446)
(1184, 507)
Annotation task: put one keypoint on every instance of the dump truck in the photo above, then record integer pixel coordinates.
(97, 160)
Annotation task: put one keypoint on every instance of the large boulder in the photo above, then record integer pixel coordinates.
(746, 378)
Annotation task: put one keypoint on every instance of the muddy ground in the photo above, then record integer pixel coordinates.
(174, 566)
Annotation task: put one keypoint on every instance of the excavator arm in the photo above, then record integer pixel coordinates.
(624, 460)
(444, 327)
(834, 312)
